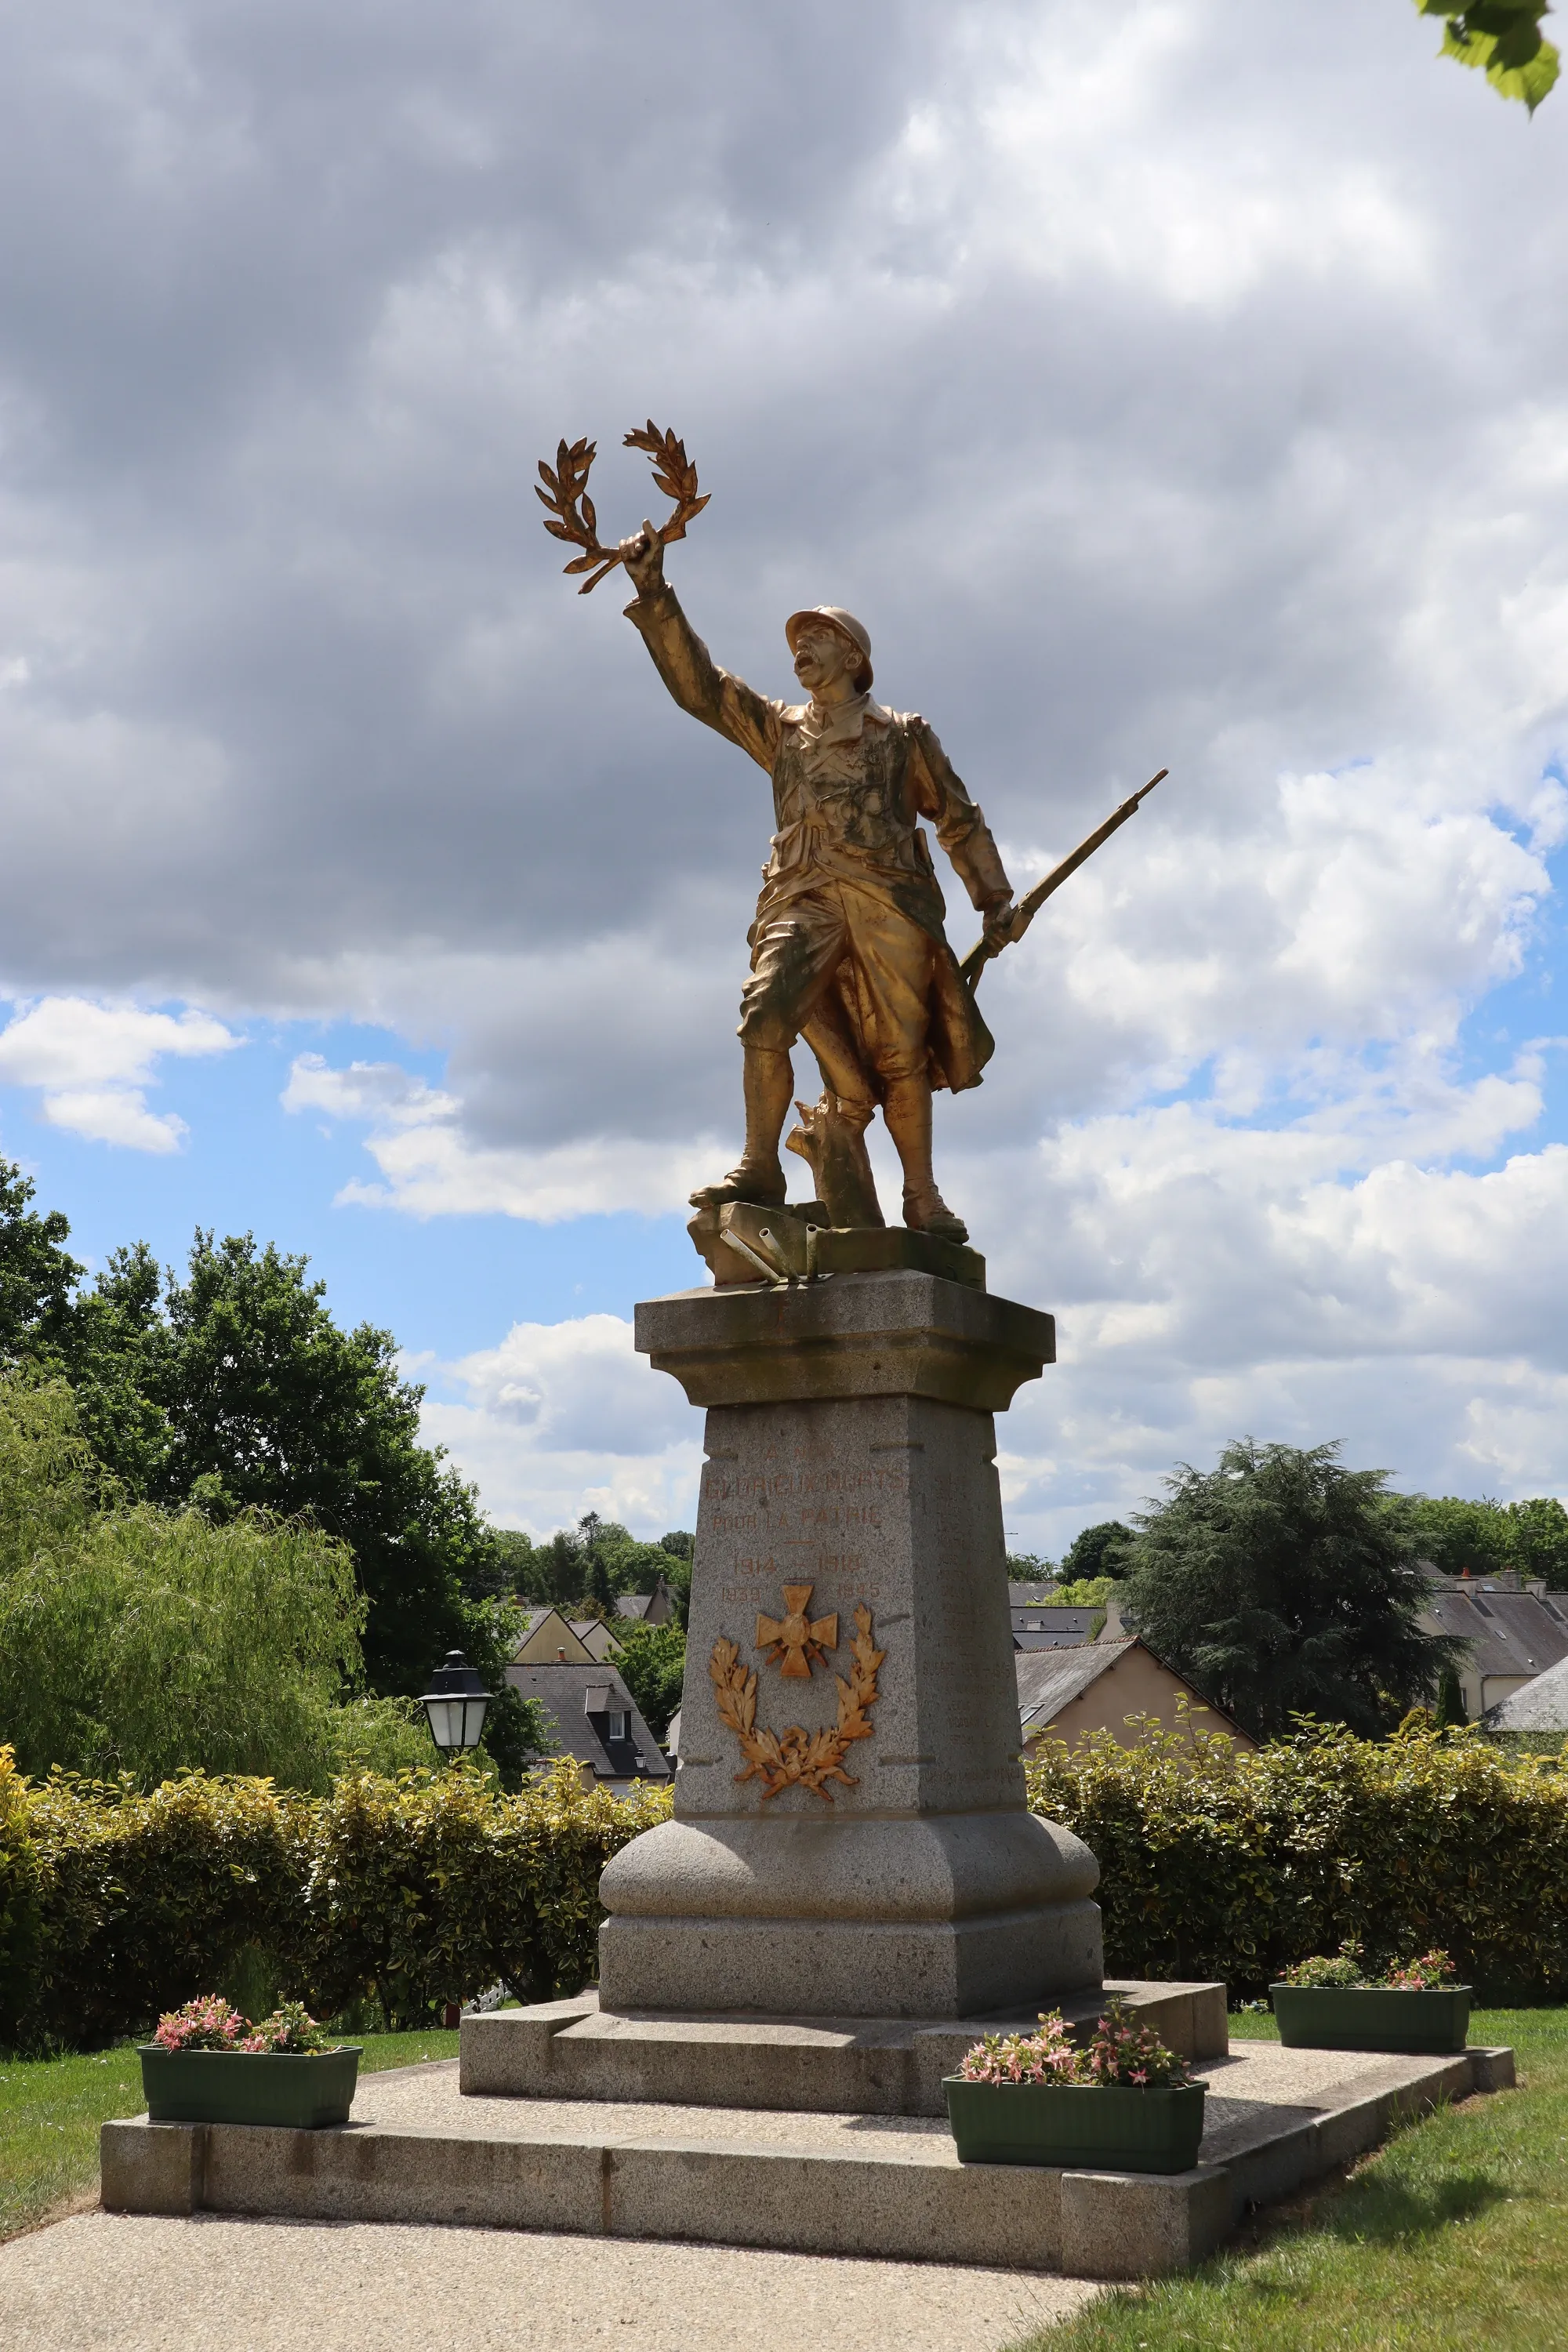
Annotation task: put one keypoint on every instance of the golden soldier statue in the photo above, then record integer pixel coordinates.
(847, 947)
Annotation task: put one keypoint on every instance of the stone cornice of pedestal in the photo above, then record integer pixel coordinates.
(852, 1335)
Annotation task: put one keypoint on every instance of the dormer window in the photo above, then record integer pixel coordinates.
(619, 1724)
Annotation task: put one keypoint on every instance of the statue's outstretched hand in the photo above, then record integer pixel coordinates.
(1000, 918)
(643, 556)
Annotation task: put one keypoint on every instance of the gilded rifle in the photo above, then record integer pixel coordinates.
(1029, 905)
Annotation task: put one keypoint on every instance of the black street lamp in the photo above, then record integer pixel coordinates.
(455, 1705)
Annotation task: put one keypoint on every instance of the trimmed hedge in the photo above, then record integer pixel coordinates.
(431, 1886)
(412, 1891)
(20, 1924)
(1215, 1864)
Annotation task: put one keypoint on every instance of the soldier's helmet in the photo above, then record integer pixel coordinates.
(846, 625)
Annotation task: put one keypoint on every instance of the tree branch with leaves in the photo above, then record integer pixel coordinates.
(1502, 40)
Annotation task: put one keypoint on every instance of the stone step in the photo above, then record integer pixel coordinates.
(888, 2187)
(867, 2066)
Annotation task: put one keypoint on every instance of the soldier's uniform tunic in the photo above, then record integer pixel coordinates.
(847, 946)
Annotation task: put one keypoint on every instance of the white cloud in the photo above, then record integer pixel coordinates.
(565, 1417)
(92, 1062)
(115, 1114)
(1159, 392)
(437, 1171)
(432, 1166)
(365, 1090)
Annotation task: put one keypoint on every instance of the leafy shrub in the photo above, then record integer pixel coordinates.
(1122, 2051)
(19, 1924)
(1048, 2056)
(412, 1891)
(386, 1736)
(1348, 1970)
(1119, 2051)
(204, 2024)
(1341, 1973)
(431, 1887)
(145, 1900)
(1215, 1864)
(289, 2032)
(1430, 1973)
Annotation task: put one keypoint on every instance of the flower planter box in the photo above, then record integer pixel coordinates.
(234, 2086)
(1080, 2127)
(1372, 2017)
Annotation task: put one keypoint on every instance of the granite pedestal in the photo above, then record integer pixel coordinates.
(850, 1838)
(884, 2186)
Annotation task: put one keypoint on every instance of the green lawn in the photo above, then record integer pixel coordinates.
(1453, 2235)
(50, 2110)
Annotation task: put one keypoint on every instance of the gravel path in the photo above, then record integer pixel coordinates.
(125, 2283)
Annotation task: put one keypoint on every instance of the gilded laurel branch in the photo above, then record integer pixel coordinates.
(572, 516)
(782, 1760)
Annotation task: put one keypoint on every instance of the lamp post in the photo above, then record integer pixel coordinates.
(455, 1707)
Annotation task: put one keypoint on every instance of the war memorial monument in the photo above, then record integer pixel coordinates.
(852, 1886)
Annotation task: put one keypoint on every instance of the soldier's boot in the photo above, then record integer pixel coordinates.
(908, 1113)
(758, 1176)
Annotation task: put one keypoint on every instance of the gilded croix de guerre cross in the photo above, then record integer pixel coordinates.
(794, 1641)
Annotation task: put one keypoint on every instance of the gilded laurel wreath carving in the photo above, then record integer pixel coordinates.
(572, 516)
(808, 1760)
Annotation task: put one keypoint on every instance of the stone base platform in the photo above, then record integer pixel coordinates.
(881, 2186)
(823, 2065)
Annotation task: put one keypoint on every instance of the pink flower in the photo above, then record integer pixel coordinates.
(205, 2023)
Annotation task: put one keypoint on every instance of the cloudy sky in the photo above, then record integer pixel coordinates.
(1166, 382)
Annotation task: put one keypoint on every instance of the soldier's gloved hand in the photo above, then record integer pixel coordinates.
(643, 556)
(1000, 917)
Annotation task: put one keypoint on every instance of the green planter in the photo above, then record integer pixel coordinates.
(1371, 2017)
(236, 2086)
(1081, 2127)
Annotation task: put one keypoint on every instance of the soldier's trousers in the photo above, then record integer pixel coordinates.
(852, 971)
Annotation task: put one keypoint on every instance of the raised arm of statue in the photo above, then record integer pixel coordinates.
(726, 704)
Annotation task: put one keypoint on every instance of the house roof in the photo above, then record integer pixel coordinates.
(1027, 1596)
(1037, 1627)
(587, 1628)
(1049, 1680)
(1539, 1705)
(1510, 1632)
(580, 1700)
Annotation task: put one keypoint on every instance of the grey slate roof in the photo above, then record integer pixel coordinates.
(1539, 1705)
(579, 1701)
(1049, 1680)
(1510, 1632)
(1027, 1596)
(655, 1608)
(1038, 1628)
